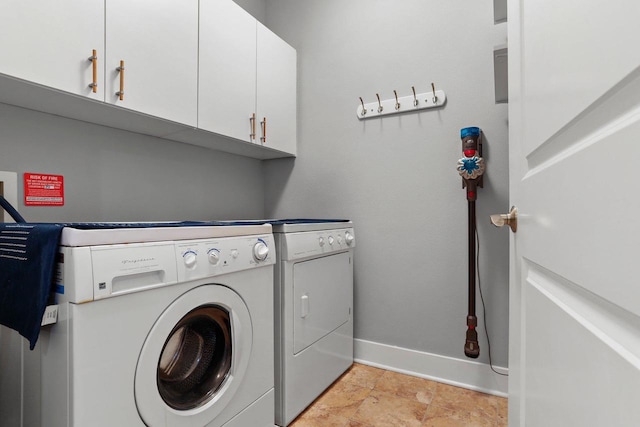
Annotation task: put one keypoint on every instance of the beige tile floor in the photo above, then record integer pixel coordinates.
(370, 397)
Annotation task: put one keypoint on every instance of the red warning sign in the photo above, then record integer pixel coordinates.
(43, 190)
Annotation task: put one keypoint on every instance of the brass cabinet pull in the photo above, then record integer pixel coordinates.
(120, 69)
(263, 123)
(94, 62)
(252, 120)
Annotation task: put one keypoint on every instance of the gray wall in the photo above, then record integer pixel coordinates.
(257, 8)
(113, 175)
(395, 176)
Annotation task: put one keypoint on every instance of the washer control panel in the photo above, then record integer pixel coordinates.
(313, 243)
(211, 257)
(91, 273)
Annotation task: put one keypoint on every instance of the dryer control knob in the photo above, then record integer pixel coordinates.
(321, 241)
(348, 237)
(331, 240)
(260, 250)
(214, 256)
(190, 259)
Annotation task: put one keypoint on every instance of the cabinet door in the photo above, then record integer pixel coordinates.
(276, 91)
(227, 92)
(49, 42)
(158, 42)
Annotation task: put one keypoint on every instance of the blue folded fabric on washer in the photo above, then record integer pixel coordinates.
(27, 262)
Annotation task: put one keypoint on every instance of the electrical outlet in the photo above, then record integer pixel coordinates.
(8, 190)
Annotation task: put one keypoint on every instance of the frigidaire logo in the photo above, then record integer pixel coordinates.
(137, 260)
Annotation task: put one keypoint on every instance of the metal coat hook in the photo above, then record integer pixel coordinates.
(415, 99)
(397, 103)
(364, 110)
(433, 88)
(379, 104)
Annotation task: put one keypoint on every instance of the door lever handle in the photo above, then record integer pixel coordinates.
(510, 219)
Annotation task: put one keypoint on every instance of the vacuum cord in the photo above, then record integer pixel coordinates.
(484, 309)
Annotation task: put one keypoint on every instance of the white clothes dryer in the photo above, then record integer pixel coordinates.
(313, 291)
(160, 327)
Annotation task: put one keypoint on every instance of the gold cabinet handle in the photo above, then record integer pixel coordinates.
(263, 124)
(252, 120)
(510, 219)
(94, 62)
(120, 69)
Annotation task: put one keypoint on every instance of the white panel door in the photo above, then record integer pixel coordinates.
(49, 42)
(227, 92)
(158, 42)
(574, 113)
(276, 91)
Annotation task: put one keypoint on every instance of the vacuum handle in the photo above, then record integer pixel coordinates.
(11, 210)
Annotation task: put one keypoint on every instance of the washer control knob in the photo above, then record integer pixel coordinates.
(321, 241)
(348, 237)
(234, 253)
(260, 250)
(330, 240)
(190, 259)
(339, 239)
(214, 256)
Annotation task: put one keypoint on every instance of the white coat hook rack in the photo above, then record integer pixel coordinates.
(404, 104)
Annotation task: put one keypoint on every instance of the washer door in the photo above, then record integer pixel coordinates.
(194, 358)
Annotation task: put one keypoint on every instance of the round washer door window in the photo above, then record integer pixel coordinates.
(194, 358)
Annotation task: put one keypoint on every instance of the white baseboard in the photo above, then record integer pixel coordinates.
(457, 372)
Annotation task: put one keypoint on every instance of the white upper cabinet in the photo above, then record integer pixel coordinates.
(176, 69)
(247, 78)
(227, 99)
(158, 42)
(276, 100)
(40, 44)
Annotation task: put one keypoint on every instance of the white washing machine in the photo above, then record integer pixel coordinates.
(313, 310)
(175, 329)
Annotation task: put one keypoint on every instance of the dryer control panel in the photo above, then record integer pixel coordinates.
(211, 257)
(317, 243)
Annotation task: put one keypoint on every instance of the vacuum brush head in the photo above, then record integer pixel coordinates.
(471, 347)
